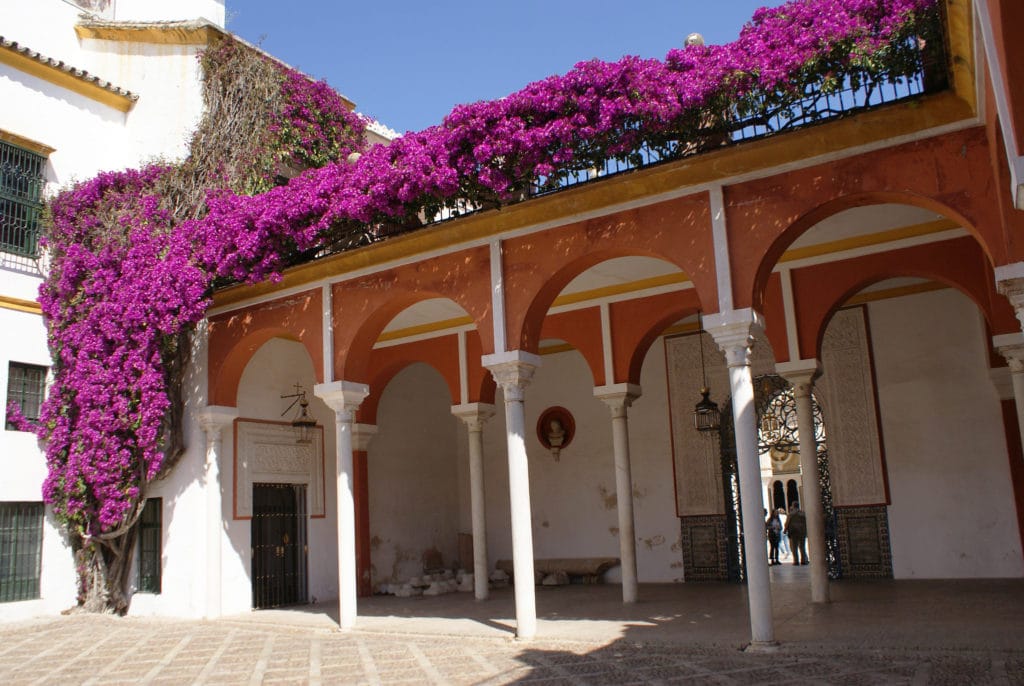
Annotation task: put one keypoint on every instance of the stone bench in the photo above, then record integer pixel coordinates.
(587, 570)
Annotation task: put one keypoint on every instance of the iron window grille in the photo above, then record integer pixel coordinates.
(21, 550)
(21, 190)
(150, 545)
(26, 386)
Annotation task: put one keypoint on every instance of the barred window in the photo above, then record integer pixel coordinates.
(26, 384)
(21, 188)
(150, 545)
(21, 550)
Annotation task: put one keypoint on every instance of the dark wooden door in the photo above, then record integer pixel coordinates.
(279, 549)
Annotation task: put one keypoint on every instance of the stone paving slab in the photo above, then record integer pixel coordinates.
(90, 649)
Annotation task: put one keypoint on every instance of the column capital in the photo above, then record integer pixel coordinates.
(618, 396)
(512, 370)
(1011, 347)
(1002, 380)
(734, 331)
(1010, 282)
(215, 418)
(800, 373)
(473, 415)
(362, 434)
(342, 396)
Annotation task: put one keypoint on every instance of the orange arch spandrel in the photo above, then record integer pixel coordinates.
(820, 290)
(775, 319)
(234, 337)
(481, 384)
(441, 353)
(538, 266)
(636, 324)
(948, 174)
(582, 330)
(364, 306)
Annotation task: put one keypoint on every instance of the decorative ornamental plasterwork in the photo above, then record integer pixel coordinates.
(698, 468)
(847, 395)
(268, 453)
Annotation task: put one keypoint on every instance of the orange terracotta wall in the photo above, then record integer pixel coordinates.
(949, 174)
(235, 337)
(818, 291)
(582, 330)
(364, 306)
(636, 324)
(385, 363)
(538, 266)
(775, 319)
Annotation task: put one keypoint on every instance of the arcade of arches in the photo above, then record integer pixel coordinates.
(867, 285)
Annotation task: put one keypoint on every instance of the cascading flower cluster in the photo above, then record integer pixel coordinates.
(114, 303)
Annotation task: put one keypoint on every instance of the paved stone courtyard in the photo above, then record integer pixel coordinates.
(111, 650)
(873, 632)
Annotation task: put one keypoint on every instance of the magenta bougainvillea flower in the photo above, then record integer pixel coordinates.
(115, 307)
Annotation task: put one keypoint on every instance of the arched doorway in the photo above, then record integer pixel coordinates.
(778, 438)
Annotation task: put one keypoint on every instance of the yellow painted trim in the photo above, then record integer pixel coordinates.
(619, 289)
(27, 143)
(65, 80)
(853, 242)
(898, 292)
(960, 30)
(720, 165)
(173, 34)
(19, 305)
(424, 328)
(555, 349)
(690, 327)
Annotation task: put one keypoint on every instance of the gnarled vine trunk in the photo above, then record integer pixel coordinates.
(104, 571)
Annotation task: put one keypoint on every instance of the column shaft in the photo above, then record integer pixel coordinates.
(624, 498)
(214, 523)
(512, 370)
(734, 333)
(214, 419)
(478, 502)
(522, 527)
(344, 397)
(759, 593)
(812, 493)
(347, 585)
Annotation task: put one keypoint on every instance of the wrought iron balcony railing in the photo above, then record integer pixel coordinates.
(822, 99)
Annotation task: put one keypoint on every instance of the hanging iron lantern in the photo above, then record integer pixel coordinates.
(303, 423)
(706, 416)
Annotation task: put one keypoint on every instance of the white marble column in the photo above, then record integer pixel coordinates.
(214, 419)
(512, 370)
(733, 331)
(619, 397)
(344, 397)
(801, 375)
(473, 415)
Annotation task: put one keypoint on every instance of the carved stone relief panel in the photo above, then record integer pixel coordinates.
(847, 395)
(697, 460)
(267, 453)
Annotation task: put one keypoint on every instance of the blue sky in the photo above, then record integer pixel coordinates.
(409, 63)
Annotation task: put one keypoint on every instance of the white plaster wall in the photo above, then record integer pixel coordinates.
(150, 10)
(24, 467)
(952, 512)
(413, 476)
(273, 371)
(573, 500)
